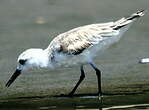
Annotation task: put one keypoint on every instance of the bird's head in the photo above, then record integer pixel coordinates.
(29, 59)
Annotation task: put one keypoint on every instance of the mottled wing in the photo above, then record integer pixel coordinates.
(75, 43)
(77, 40)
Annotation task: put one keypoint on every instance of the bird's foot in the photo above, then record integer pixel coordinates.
(71, 94)
(100, 95)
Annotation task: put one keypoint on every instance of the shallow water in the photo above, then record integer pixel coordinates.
(114, 102)
(34, 23)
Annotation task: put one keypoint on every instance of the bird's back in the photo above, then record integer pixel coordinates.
(75, 41)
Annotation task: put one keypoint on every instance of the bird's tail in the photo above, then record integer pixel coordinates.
(127, 20)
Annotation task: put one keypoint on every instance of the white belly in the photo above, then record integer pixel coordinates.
(87, 55)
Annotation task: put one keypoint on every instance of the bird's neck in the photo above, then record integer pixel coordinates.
(49, 56)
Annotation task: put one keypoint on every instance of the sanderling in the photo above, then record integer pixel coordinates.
(77, 46)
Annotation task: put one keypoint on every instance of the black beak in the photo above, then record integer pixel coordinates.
(13, 77)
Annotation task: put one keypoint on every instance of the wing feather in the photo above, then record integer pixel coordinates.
(77, 40)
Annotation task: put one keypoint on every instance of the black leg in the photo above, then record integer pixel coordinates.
(78, 83)
(98, 73)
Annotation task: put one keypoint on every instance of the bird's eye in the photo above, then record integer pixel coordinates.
(22, 62)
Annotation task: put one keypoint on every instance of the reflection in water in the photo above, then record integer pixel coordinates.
(124, 107)
(141, 106)
(113, 102)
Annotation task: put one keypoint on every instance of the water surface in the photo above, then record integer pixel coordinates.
(107, 102)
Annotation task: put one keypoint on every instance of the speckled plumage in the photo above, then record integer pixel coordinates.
(76, 41)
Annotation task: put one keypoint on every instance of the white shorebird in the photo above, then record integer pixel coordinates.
(77, 46)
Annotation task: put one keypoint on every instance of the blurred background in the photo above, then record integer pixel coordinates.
(34, 23)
